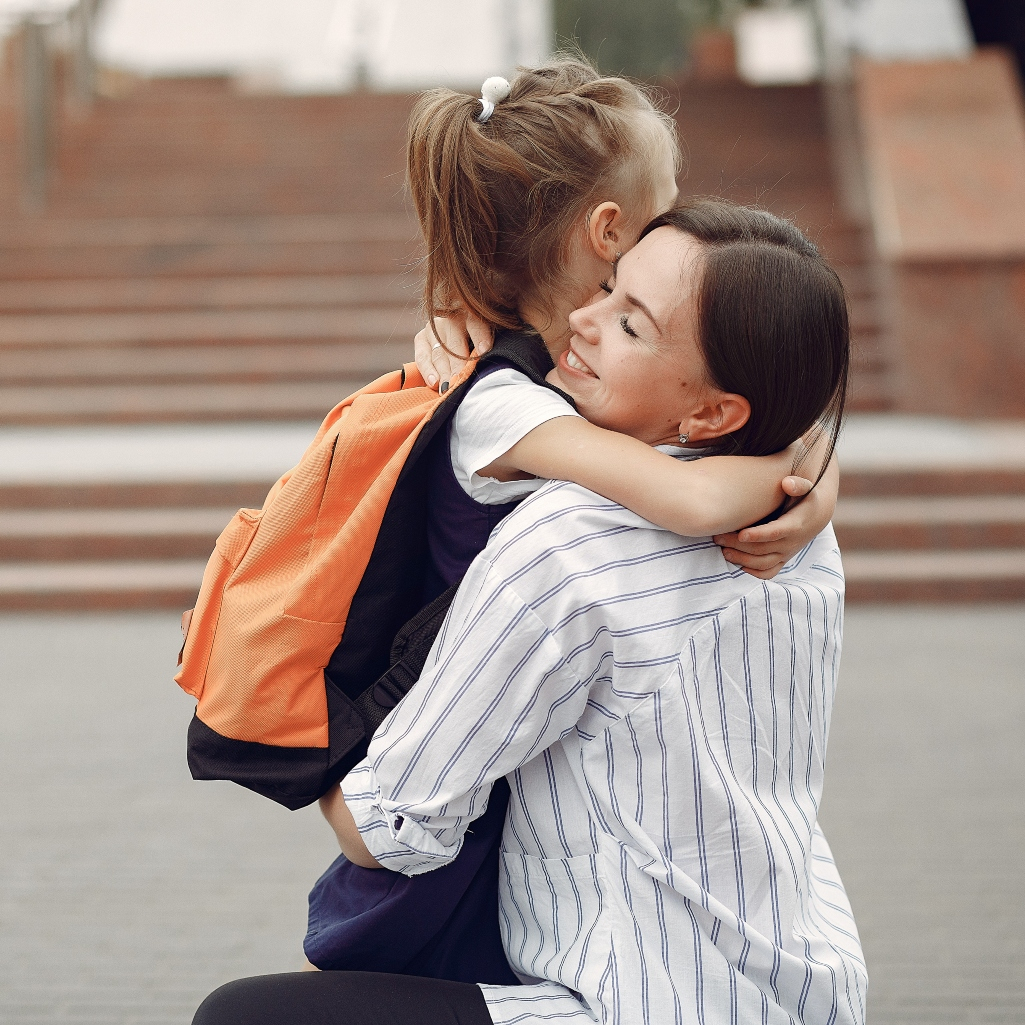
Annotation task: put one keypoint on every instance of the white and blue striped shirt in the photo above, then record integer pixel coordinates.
(662, 718)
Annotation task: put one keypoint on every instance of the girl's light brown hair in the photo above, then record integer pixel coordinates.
(497, 201)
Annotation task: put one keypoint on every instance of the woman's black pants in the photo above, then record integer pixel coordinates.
(343, 998)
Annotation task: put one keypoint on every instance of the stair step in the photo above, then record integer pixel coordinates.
(946, 523)
(869, 390)
(117, 496)
(172, 403)
(268, 229)
(101, 584)
(199, 258)
(227, 293)
(984, 575)
(175, 327)
(57, 535)
(858, 481)
(210, 363)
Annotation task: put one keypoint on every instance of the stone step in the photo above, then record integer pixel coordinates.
(149, 584)
(206, 293)
(193, 402)
(954, 481)
(86, 233)
(201, 258)
(869, 390)
(875, 526)
(935, 523)
(77, 535)
(176, 327)
(116, 496)
(33, 248)
(297, 361)
(958, 576)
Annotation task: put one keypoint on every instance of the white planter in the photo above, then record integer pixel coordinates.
(777, 46)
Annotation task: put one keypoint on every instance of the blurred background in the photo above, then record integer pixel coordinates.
(205, 244)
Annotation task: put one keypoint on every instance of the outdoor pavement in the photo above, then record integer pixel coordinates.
(127, 891)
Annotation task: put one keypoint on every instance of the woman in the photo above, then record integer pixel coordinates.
(661, 717)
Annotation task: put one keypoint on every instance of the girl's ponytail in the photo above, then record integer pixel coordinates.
(447, 174)
(497, 200)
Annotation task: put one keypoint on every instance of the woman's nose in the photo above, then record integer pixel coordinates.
(581, 322)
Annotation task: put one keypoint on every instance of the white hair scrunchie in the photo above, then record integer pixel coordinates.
(492, 92)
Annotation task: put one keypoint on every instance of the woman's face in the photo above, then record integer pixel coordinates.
(634, 362)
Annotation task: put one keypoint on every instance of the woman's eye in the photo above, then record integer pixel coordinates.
(624, 323)
(605, 286)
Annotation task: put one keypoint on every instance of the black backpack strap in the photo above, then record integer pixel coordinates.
(378, 603)
(408, 655)
(526, 352)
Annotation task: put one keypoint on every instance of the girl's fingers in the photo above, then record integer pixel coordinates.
(748, 561)
(795, 487)
(754, 540)
(424, 357)
(480, 334)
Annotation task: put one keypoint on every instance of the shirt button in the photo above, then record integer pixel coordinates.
(398, 822)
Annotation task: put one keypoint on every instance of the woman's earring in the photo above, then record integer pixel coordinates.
(684, 438)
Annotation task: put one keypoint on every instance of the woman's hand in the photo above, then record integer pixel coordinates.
(763, 551)
(337, 813)
(441, 355)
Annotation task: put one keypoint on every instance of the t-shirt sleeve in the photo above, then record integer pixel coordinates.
(499, 410)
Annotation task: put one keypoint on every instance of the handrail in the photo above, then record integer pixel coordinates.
(38, 31)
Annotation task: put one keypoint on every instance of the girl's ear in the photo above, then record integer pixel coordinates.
(722, 414)
(604, 231)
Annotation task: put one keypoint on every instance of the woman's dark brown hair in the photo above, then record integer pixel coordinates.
(773, 323)
(497, 201)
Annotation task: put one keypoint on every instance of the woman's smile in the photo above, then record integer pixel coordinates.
(574, 364)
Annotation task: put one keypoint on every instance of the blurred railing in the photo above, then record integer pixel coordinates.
(51, 47)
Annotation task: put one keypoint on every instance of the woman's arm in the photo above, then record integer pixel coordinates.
(497, 691)
(337, 813)
(695, 498)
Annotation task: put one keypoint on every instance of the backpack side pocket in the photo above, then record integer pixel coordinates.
(229, 550)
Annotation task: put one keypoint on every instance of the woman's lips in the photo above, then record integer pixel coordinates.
(575, 365)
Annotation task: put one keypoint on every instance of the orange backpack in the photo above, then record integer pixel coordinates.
(328, 575)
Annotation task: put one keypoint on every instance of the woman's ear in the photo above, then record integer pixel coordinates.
(722, 414)
(604, 231)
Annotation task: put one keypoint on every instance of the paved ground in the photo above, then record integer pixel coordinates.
(127, 891)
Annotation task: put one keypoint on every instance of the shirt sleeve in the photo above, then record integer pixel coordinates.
(497, 691)
(499, 411)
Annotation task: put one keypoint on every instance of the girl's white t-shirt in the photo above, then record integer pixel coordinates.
(499, 410)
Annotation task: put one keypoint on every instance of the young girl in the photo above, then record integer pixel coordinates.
(527, 198)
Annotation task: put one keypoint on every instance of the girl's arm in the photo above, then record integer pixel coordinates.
(696, 498)
(763, 551)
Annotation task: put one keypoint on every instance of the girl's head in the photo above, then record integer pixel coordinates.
(724, 324)
(571, 165)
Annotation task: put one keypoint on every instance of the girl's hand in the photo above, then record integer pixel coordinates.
(763, 551)
(441, 355)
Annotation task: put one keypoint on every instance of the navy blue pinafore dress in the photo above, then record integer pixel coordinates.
(442, 924)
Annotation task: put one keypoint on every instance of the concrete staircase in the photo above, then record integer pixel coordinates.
(770, 148)
(210, 258)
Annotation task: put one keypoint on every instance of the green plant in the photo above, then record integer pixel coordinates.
(642, 38)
